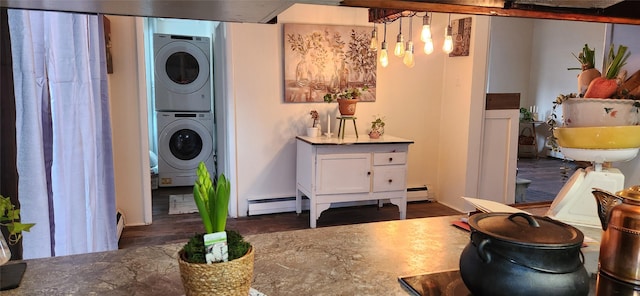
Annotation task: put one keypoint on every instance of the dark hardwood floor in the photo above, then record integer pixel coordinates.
(545, 174)
(177, 228)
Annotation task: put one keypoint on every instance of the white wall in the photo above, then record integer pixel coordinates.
(553, 43)
(418, 104)
(510, 56)
(461, 119)
(266, 126)
(128, 122)
(627, 35)
(531, 56)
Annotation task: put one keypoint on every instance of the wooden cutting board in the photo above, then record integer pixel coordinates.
(632, 85)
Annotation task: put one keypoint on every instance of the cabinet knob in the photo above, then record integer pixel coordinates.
(390, 180)
(390, 159)
(368, 173)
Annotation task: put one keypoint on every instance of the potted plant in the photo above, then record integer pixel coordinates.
(219, 262)
(587, 66)
(314, 130)
(10, 218)
(377, 127)
(525, 115)
(346, 99)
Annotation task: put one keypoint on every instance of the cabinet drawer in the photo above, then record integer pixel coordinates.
(390, 158)
(389, 178)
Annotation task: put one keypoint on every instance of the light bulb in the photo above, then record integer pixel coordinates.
(384, 56)
(426, 29)
(408, 55)
(374, 40)
(426, 33)
(448, 41)
(428, 46)
(399, 50)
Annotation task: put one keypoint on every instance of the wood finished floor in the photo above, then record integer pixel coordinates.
(544, 173)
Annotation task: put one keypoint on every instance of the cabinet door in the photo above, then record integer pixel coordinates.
(389, 178)
(343, 173)
(499, 156)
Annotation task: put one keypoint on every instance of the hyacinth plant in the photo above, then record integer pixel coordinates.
(212, 200)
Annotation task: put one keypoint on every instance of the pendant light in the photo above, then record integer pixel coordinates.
(384, 56)
(447, 47)
(408, 54)
(399, 50)
(374, 39)
(425, 35)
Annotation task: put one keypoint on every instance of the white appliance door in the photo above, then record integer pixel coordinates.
(184, 143)
(182, 67)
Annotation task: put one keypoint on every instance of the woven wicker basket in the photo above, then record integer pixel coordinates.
(224, 279)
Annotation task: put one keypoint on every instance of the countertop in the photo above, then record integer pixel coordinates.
(385, 139)
(360, 259)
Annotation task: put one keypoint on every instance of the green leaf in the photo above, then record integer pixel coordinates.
(222, 203)
(616, 61)
(202, 208)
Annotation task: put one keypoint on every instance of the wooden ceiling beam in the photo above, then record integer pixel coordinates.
(401, 5)
(381, 15)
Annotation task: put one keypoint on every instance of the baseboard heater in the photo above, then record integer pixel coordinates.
(418, 194)
(288, 204)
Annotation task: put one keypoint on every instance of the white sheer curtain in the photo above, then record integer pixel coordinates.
(65, 163)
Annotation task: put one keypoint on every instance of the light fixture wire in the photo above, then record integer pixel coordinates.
(374, 39)
(408, 59)
(447, 47)
(399, 49)
(384, 56)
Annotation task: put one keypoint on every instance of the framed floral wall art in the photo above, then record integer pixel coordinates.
(321, 59)
(461, 37)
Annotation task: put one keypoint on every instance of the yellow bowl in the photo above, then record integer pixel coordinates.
(599, 137)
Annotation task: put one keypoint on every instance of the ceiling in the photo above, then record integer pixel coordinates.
(266, 11)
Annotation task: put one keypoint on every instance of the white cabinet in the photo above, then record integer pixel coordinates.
(341, 170)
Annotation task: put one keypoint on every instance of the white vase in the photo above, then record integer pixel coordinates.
(5, 253)
(312, 132)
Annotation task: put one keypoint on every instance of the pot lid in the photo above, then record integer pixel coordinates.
(632, 192)
(524, 229)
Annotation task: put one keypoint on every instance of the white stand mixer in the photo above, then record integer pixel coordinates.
(575, 204)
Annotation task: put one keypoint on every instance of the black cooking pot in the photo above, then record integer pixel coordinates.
(520, 254)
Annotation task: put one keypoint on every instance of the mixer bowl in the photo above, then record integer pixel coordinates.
(600, 137)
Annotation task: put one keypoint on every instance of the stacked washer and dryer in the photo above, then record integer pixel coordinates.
(185, 121)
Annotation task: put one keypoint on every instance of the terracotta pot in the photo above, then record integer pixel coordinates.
(347, 107)
(374, 134)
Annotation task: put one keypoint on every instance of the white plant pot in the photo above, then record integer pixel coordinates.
(313, 132)
(587, 112)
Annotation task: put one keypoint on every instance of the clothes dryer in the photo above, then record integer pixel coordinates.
(182, 73)
(184, 140)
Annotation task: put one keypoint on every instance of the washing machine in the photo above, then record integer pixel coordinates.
(184, 140)
(182, 73)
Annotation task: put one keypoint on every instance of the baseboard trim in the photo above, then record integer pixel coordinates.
(284, 205)
(288, 204)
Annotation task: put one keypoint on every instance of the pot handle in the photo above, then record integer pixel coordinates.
(532, 221)
(484, 255)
